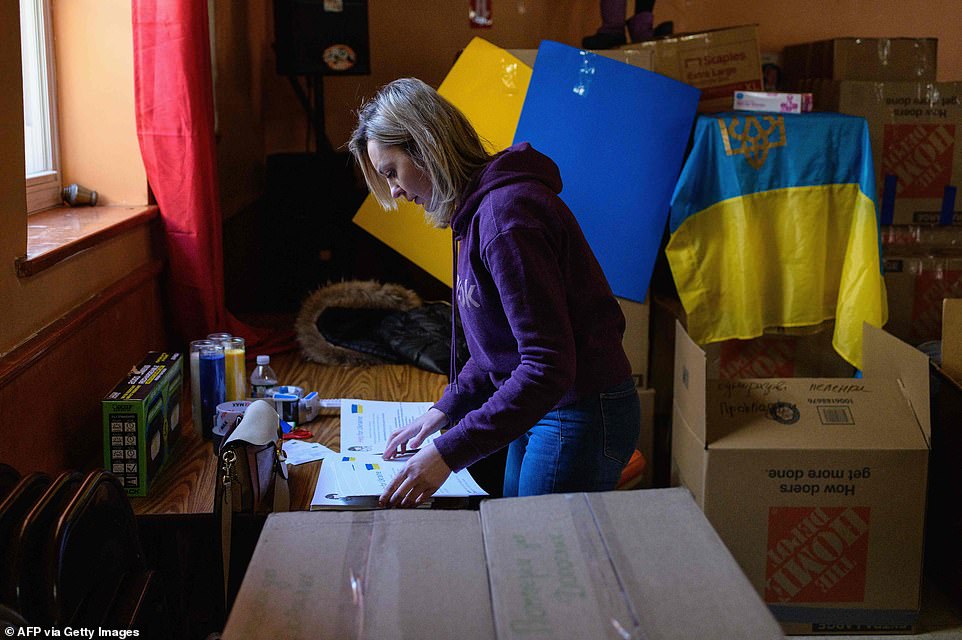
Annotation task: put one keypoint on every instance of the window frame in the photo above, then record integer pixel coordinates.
(44, 189)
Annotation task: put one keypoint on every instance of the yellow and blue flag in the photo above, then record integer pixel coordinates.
(774, 224)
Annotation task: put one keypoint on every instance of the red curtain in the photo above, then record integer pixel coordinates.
(175, 126)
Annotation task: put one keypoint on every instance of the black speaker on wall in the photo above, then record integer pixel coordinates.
(321, 37)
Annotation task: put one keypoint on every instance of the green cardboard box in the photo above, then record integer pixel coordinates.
(141, 420)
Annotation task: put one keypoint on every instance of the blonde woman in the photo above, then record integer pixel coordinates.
(547, 376)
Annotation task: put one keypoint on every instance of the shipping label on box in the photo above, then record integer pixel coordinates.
(718, 62)
(916, 136)
(805, 479)
(137, 416)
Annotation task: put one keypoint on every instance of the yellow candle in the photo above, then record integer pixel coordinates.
(235, 371)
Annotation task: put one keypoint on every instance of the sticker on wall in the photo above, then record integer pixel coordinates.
(479, 14)
(339, 57)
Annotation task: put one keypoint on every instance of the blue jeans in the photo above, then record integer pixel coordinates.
(583, 446)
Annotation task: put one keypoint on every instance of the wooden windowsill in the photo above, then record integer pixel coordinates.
(56, 234)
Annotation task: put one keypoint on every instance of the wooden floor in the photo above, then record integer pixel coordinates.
(186, 483)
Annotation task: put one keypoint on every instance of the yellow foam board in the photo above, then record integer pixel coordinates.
(488, 85)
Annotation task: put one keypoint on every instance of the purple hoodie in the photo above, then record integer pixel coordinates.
(542, 326)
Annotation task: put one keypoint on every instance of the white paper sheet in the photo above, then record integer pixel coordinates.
(366, 425)
(301, 451)
(370, 476)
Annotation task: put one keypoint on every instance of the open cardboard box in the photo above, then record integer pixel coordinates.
(639, 564)
(816, 485)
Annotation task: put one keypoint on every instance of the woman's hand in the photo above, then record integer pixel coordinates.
(418, 480)
(413, 434)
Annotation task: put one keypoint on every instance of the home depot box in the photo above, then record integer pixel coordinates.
(816, 485)
(877, 59)
(917, 282)
(139, 413)
(629, 55)
(719, 62)
(640, 564)
(916, 136)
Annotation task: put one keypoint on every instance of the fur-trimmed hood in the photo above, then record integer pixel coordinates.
(351, 294)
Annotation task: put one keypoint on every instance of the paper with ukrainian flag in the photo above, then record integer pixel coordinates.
(370, 476)
(774, 224)
(367, 425)
(488, 85)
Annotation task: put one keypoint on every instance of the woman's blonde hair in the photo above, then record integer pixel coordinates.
(438, 138)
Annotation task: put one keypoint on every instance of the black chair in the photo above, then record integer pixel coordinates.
(13, 511)
(97, 575)
(35, 544)
(9, 477)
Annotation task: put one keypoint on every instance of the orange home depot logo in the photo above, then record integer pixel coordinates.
(762, 358)
(920, 155)
(932, 285)
(816, 554)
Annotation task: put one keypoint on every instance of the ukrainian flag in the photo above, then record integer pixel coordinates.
(774, 224)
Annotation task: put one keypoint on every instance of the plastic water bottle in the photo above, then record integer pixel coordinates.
(263, 377)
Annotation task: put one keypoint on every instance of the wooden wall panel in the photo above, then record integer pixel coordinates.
(51, 386)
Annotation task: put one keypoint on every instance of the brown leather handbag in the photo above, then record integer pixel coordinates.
(252, 472)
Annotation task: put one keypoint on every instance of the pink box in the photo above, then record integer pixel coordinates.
(776, 102)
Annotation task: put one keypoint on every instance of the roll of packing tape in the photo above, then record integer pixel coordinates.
(287, 407)
(286, 389)
(229, 414)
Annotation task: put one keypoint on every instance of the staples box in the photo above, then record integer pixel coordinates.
(916, 134)
(139, 415)
(876, 59)
(816, 485)
(719, 62)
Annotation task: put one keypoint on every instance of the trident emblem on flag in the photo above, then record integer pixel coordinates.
(754, 139)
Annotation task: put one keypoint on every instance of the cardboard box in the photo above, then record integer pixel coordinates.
(629, 55)
(635, 340)
(916, 135)
(916, 285)
(817, 485)
(646, 435)
(173, 396)
(139, 415)
(719, 62)
(640, 564)
(877, 59)
(943, 553)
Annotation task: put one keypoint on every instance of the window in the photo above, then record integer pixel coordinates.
(39, 106)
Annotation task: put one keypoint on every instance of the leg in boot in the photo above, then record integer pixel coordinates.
(612, 31)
